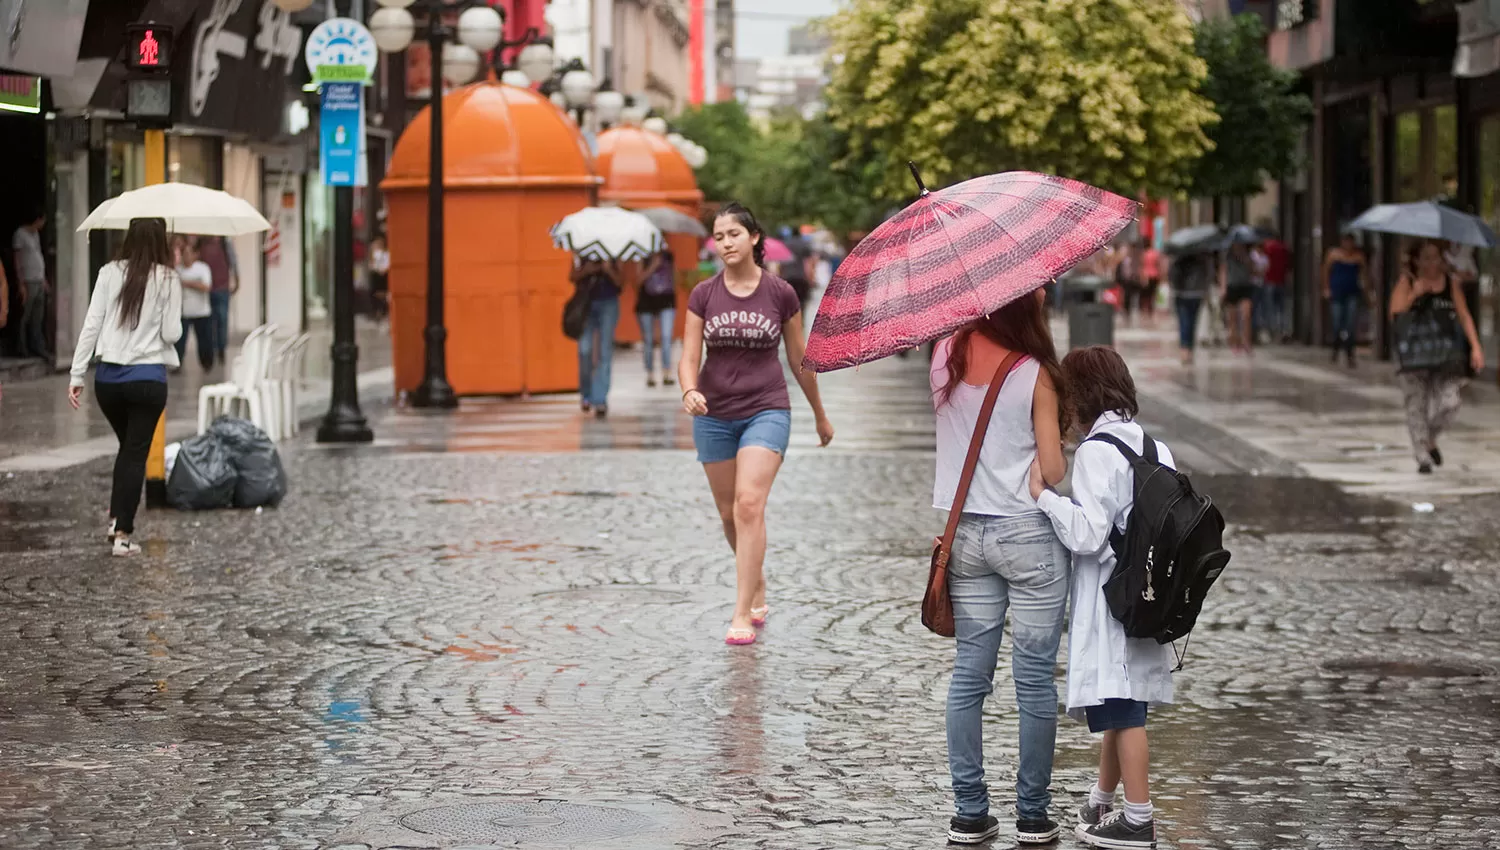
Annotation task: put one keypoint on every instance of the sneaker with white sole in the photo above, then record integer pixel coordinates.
(1114, 832)
(124, 547)
(1036, 831)
(1090, 815)
(973, 830)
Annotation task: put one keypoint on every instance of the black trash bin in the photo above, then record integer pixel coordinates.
(1090, 320)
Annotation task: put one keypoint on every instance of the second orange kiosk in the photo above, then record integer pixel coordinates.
(641, 169)
(514, 165)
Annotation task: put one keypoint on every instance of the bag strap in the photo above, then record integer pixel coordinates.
(971, 462)
(1148, 444)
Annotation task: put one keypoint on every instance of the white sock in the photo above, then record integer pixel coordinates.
(1137, 813)
(1099, 797)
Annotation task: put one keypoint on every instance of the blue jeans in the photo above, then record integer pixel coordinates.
(999, 563)
(593, 380)
(1343, 310)
(1187, 321)
(666, 319)
(1271, 310)
(219, 302)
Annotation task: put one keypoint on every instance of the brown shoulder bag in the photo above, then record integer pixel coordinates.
(937, 606)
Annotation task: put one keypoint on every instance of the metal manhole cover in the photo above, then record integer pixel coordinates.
(517, 822)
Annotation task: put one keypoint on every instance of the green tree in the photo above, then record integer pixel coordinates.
(727, 133)
(1261, 114)
(1103, 91)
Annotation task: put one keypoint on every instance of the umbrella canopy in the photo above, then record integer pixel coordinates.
(186, 208)
(608, 233)
(668, 220)
(1200, 239)
(777, 251)
(1243, 234)
(954, 256)
(1426, 219)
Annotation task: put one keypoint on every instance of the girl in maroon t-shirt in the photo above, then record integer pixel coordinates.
(741, 411)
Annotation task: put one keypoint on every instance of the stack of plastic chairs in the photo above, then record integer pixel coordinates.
(245, 393)
(283, 384)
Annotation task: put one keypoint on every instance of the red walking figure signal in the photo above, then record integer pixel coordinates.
(149, 49)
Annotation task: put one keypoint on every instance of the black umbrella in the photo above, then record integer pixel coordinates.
(1201, 239)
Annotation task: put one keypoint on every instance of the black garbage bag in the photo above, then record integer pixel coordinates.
(203, 478)
(262, 479)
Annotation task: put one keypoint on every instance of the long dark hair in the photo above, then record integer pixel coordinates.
(1019, 326)
(740, 213)
(1414, 254)
(144, 248)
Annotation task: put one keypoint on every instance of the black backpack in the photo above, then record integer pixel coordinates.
(1170, 554)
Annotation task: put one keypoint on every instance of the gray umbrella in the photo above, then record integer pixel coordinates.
(1243, 234)
(1426, 219)
(668, 220)
(1201, 239)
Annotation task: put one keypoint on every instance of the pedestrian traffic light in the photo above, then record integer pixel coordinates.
(149, 52)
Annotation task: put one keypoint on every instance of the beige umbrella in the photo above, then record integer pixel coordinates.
(186, 208)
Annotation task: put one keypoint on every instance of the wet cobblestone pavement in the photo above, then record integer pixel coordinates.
(497, 647)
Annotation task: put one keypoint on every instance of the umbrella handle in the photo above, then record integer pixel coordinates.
(917, 176)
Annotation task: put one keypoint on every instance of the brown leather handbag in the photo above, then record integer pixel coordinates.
(937, 607)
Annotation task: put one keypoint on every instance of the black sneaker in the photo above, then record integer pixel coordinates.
(973, 830)
(1425, 468)
(1437, 456)
(1117, 833)
(1091, 814)
(1036, 831)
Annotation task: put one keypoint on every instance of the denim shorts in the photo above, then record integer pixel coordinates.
(1116, 714)
(721, 439)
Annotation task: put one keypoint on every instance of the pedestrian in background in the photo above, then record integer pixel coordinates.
(596, 347)
(656, 312)
(1344, 287)
(1237, 288)
(134, 321)
(1005, 554)
(1433, 396)
(742, 417)
(218, 254)
(380, 269)
(1131, 280)
(1189, 277)
(197, 306)
(1151, 276)
(32, 286)
(1112, 679)
(1273, 295)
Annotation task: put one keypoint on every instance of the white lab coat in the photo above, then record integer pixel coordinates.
(1102, 662)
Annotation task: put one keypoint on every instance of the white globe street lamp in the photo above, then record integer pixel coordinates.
(535, 60)
(480, 28)
(676, 140)
(578, 88)
(512, 77)
(559, 101)
(460, 63)
(635, 111)
(608, 105)
(393, 29)
(655, 124)
(697, 156)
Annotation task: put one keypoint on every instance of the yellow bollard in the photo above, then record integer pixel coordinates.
(156, 461)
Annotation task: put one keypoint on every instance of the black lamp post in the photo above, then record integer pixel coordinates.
(479, 29)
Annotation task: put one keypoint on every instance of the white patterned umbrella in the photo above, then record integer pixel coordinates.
(608, 233)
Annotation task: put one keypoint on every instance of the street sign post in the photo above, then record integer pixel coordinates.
(342, 123)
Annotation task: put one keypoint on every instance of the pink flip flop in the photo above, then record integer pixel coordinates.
(740, 637)
(758, 615)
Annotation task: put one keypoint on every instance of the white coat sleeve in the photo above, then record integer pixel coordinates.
(88, 337)
(1083, 523)
(171, 319)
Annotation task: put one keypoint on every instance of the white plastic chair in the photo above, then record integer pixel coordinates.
(291, 384)
(247, 376)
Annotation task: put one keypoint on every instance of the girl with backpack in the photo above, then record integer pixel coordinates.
(656, 308)
(1112, 679)
(1005, 555)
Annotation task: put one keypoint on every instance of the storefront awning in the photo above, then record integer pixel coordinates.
(41, 36)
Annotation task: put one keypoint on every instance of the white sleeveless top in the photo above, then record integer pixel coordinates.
(1000, 481)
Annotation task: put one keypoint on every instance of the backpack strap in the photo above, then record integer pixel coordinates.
(1148, 444)
(971, 462)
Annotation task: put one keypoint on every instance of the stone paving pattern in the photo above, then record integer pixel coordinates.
(418, 626)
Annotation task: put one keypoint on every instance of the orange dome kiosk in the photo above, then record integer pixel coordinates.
(641, 170)
(513, 166)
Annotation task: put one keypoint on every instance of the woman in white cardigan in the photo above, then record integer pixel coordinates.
(1112, 679)
(134, 318)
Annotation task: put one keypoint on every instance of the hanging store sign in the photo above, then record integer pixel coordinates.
(20, 93)
(341, 50)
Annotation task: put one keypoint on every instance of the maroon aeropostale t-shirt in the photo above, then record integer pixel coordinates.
(742, 374)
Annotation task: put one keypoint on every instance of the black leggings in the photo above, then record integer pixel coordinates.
(133, 409)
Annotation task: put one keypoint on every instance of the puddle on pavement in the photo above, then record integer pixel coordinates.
(1276, 504)
(1402, 669)
(24, 526)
